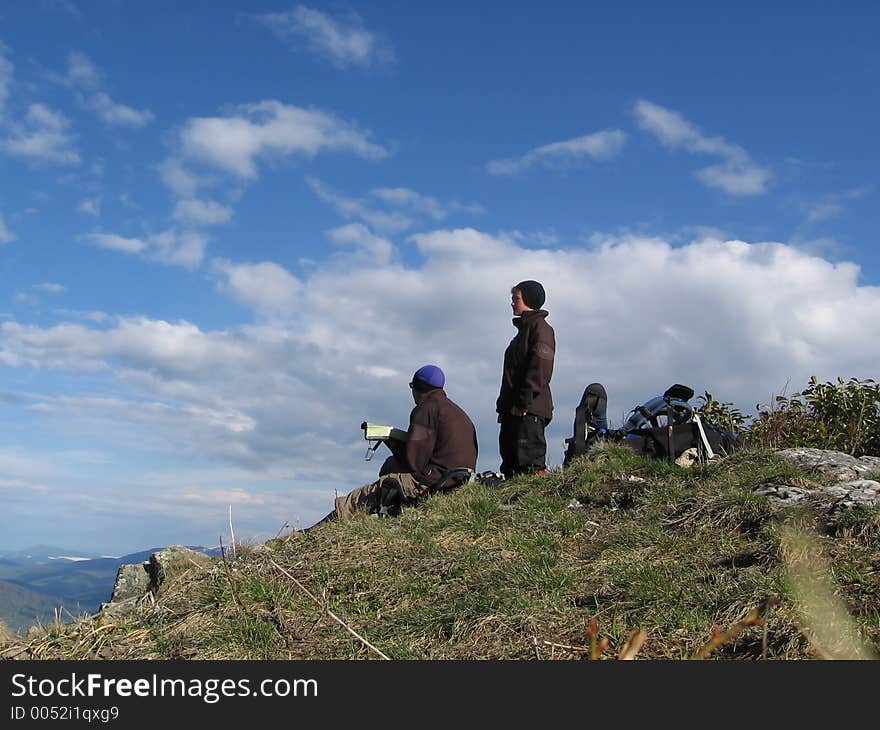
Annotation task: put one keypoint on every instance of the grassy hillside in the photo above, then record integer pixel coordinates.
(521, 572)
(21, 608)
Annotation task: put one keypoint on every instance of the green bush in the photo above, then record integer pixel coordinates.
(722, 416)
(843, 415)
(840, 415)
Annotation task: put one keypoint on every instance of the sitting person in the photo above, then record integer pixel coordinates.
(441, 437)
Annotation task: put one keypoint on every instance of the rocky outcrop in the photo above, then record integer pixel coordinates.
(138, 582)
(848, 488)
(834, 464)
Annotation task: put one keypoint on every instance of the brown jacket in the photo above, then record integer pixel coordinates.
(441, 436)
(528, 367)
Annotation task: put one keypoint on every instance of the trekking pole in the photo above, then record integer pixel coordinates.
(709, 453)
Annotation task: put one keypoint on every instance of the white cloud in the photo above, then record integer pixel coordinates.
(270, 129)
(347, 207)
(337, 346)
(92, 206)
(736, 174)
(265, 286)
(85, 76)
(114, 114)
(343, 42)
(42, 138)
(833, 204)
(50, 287)
(376, 249)
(5, 234)
(201, 212)
(182, 182)
(186, 249)
(113, 242)
(599, 145)
(82, 73)
(404, 197)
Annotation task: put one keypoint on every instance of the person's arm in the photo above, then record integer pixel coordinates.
(420, 445)
(539, 369)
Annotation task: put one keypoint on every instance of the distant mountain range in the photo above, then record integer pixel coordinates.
(43, 580)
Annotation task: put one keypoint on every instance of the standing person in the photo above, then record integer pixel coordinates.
(441, 437)
(525, 404)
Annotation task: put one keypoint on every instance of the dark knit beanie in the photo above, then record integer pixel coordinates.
(532, 293)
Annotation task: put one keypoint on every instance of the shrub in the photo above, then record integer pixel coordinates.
(721, 416)
(840, 415)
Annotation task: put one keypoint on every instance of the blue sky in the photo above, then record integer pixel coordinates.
(230, 232)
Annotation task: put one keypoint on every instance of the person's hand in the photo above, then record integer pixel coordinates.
(518, 412)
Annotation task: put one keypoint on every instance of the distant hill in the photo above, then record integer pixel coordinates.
(22, 607)
(35, 581)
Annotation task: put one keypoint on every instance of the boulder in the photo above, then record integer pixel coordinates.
(134, 582)
(174, 561)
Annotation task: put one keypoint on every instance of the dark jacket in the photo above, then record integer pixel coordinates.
(441, 436)
(528, 366)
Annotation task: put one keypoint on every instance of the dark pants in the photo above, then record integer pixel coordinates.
(522, 444)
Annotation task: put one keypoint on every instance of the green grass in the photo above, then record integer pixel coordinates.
(517, 572)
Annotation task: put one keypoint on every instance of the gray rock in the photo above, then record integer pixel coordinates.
(848, 492)
(173, 561)
(135, 582)
(856, 493)
(783, 493)
(132, 581)
(834, 464)
(117, 609)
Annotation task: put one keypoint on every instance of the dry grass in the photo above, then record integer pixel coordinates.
(673, 564)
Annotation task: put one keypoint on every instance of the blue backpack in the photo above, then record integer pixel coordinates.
(671, 406)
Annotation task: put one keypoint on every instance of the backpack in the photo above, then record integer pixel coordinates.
(667, 426)
(663, 427)
(590, 422)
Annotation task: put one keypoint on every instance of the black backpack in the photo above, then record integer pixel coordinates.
(666, 426)
(590, 422)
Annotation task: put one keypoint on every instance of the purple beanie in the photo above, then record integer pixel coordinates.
(430, 375)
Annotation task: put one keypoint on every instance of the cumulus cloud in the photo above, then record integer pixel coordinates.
(178, 248)
(88, 79)
(43, 137)
(266, 286)
(201, 212)
(375, 249)
(344, 42)
(742, 327)
(599, 145)
(270, 129)
(330, 349)
(736, 174)
(183, 182)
